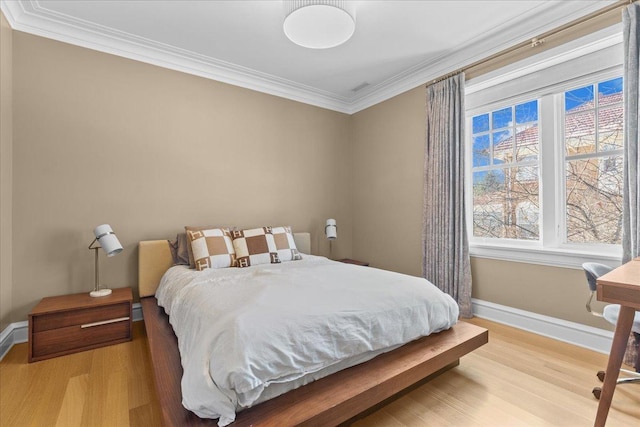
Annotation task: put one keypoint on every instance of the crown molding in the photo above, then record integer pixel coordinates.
(32, 17)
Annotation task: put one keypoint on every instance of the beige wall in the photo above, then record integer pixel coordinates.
(102, 139)
(551, 291)
(6, 145)
(388, 141)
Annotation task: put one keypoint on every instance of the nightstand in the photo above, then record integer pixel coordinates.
(71, 323)
(355, 262)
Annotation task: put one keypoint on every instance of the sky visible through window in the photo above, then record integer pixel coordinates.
(497, 129)
(578, 97)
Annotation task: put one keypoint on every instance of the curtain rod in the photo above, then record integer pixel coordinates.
(539, 40)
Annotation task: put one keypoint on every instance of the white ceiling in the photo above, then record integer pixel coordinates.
(397, 45)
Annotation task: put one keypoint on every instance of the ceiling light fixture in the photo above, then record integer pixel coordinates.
(319, 24)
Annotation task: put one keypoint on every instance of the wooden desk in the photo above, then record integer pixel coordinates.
(620, 286)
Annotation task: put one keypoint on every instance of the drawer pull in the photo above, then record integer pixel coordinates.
(104, 322)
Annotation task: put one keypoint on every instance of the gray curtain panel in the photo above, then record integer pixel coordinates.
(631, 200)
(445, 256)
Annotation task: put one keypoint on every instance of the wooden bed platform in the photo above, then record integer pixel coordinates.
(326, 402)
(329, 401)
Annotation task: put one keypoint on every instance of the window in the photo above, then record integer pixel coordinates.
(593, 117)
(505, 172)
(544, 151)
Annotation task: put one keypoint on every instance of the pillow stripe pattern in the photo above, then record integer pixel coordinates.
(212, 248)
(285, 245)
(255, 246)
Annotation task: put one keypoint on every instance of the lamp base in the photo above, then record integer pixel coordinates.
(100, 293)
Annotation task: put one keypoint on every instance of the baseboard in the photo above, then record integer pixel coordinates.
(18, 332)
(15, 333)
(570, 332)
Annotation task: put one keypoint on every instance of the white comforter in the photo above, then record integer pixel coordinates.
(248, 334)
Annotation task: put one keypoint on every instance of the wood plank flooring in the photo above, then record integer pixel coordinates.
(518, 379)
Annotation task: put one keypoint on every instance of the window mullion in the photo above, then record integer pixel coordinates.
(549, 187)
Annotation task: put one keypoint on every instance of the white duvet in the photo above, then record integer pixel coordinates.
(249, 334)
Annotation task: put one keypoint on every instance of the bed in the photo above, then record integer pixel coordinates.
(388, 368)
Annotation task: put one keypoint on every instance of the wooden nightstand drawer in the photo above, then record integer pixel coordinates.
(77, 338)
(71, 323)
(63, 319)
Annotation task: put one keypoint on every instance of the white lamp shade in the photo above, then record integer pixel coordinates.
(319, 24)
(331, 229)
(108, 240)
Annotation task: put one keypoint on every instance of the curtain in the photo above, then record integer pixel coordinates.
(631, 189)
(445, 255)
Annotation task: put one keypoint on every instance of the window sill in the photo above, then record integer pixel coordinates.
(555, 257)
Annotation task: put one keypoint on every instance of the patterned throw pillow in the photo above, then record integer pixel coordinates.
(255, 246)
(212, 248)
(187, 229)
(285, 245)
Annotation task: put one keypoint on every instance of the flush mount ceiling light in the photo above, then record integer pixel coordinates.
(319, 24)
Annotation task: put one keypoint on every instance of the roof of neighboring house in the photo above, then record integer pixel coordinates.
(578, 121)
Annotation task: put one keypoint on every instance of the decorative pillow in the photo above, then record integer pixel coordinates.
(255, 246)
(285, 245)
(180, 249)
(187, 229)
(212, 248)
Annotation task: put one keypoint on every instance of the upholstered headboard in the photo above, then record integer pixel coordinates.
(154, 258)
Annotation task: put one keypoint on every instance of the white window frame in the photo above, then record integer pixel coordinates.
(549, 249)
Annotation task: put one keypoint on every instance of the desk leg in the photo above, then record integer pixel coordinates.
(618, 347)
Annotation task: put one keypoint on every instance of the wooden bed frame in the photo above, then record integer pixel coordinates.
(329, 401)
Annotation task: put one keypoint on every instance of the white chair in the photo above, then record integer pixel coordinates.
(610, 313)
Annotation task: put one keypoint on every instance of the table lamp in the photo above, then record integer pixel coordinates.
(331, 231)
(107, 240)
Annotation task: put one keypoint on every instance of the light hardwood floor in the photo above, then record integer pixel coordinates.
(518, 379)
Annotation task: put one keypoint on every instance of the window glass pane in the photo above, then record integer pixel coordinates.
(481, 123)
(580, 133)
(481, 153)
(505, 199)
(527, 112)
(502, 146)
(488, 188)
(578, 99)
(610, 128)
(527, 140)
(522, 203)
(594, 200)
(610, 92)
(506, 203)
(502, 118)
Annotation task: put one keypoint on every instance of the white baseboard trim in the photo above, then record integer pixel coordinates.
(570, 332)
(13, 334)
(18, 332)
